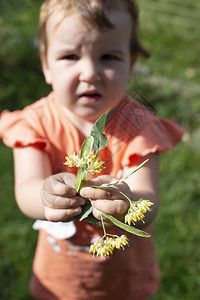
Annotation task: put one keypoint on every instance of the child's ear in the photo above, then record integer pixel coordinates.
(45, 69)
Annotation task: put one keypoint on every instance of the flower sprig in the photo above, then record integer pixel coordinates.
(137, 210)
(108, 243)
(88, 162)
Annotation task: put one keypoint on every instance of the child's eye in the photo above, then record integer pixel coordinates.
(70, 57)
(109, 57)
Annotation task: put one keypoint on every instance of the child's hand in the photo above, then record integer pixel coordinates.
(59, 197)
(107, 200)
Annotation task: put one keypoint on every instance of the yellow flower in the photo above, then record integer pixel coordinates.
(106, 250)
(73, 160)
(94, 248)
(95, 166)
(106, 247)
(110, 241)
(89, 160)
(144, 205)
(137, 215)
(128, 219)
(101, 248)
(137, 210)
(121, 241)
(89, 155)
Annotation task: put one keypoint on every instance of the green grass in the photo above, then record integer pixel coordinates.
(177, 225)
(168, 81)
(17, 239)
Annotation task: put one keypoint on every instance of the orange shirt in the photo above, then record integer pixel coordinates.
(132, 131)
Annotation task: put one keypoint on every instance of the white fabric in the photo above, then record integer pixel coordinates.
(59, 230)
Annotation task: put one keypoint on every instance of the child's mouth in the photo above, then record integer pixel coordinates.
(89, 98)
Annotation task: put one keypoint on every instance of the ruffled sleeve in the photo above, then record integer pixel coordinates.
(21, 129)
(159, 135)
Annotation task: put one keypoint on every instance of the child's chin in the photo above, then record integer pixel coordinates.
(90, 112)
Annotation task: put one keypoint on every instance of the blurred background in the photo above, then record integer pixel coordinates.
(169, 83)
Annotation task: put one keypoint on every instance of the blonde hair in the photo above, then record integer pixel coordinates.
(94, 12)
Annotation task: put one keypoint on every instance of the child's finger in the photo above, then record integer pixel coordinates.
(114, 208)
(56, 201)
(60, 185)
(95, 194)
(55, 215)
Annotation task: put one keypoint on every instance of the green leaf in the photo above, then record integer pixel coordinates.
(92, 220)
(87, 145)
(86, 211)
(81, 179)
(126, 227)
(97, 140)
(82, 171)
(87, 214)
(100, 140)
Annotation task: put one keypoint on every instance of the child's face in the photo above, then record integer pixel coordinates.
(88, 69)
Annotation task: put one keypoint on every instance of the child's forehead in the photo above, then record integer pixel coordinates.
(115, 17)
(72, 33)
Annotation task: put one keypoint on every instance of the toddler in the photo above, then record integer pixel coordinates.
(88, 49)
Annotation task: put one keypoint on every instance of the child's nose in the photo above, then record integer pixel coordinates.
(90, 71)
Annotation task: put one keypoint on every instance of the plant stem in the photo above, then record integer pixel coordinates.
(104, 230)
(122, 194)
